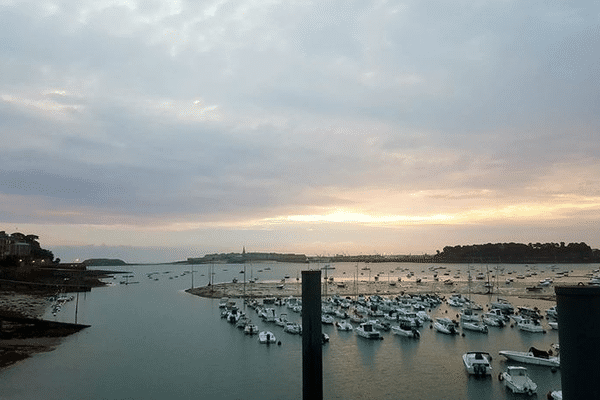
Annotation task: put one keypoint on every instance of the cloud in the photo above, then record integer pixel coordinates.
(184, 115)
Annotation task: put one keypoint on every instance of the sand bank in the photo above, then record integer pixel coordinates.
(517, 288)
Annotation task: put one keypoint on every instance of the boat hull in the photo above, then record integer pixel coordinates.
(529, 358)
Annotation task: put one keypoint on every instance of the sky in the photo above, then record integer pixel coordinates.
(161, 130)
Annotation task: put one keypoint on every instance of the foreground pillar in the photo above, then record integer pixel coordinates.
(578, 310)
(312, 341)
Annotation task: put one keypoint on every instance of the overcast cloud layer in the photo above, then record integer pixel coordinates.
(315, 127)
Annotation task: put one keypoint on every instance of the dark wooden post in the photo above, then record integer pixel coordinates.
(578, 310)
(312, 339)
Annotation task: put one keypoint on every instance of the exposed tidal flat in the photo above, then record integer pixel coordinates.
(153, 340)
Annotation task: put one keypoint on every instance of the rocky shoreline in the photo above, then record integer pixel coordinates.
(13, 350)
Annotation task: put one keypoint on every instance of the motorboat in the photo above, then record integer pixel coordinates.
(405, 329)
(518, 381)
(533, 356)
(266, 337)
(381, 325)
(502, 305)
(474, 326)
(477, 363)
(344, 326)
(250, 329)
(494, 318)
(492, 321)
(268, 315)
(327, 319)
(292, 302)
(445, 325)
(555, 395)
(530, 325)
(223, 302)
(293, 328)
(242, 322)
(552, 312)
(281, 320)
(467, 314)
(366, 330)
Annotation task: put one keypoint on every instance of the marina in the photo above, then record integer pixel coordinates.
(155, 340)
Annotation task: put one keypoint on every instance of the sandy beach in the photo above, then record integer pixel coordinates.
(515, 292)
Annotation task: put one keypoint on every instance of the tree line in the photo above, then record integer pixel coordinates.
(520, 253)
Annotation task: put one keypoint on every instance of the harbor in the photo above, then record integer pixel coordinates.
(156, 340)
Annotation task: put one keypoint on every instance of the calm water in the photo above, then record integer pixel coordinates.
(152, 340)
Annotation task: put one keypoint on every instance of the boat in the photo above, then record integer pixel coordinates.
(266, 337)
(517, 380)
(281, 320)
(555, 395)
(477, 363)
(497, 314)
(250, 329)
(533, 356)
(530, 325)
(366, 330)
(405, 329)
(327, 319)
(445, 325)
(492, 321)
(268, 314)
(344, 326)
(502, 305)
(223, 302)
(293, 328)
(474, 326)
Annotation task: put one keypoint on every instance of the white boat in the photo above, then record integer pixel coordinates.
(292, 302)
(223, 302)
(405, 329)
(490, 321)
(517, 380)
(266, 337)
(268, 315)
(344, 326)
(477, 363)
(327, 319)
(555, 395)
(533, 356)
(445, 325)
(502, 305)
(467, 314)
(366, 330)
(380, 325)
(281, 320)
(494, 318)
(474, 326)
(552, 312)
(250, 329)
(530, 325)
(553, 325)
(293, 328)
